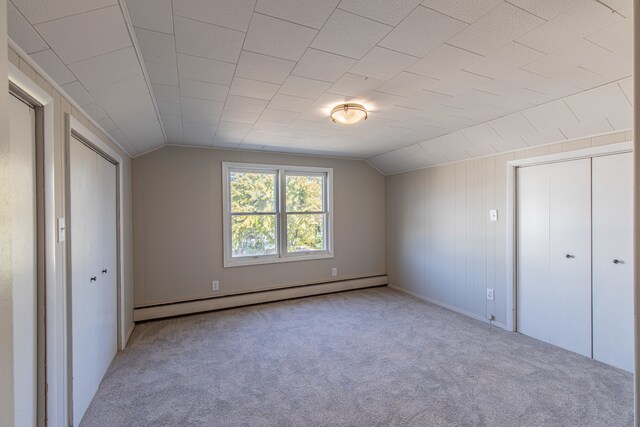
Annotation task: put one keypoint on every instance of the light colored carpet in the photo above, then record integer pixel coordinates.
(361, 358)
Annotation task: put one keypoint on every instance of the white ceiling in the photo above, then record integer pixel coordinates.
(444, 80)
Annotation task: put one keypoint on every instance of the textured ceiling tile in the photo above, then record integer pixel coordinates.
(155, 15)
(263, 68)
(234, 14)
(170, 108)
(495, 29)
(21, 31)
(362, 35)
(207, 40)
(289, 103)
(565, 59)
(166, 93)
(162, 73)
(612, 67)
(157, 47)
(241, 103)
(573, 24)
(253, 88)
(546, 9)
(616, 37)
(197, 104)
(202, 117)
(464, 10)
(311, 13)
(599, 103)
(383, 64)
(102, 31)
(303, 87)
(504, 60)
(511, 128)
(128, 111)
(275, 37)
(108, 68)
(203, 90)
(48, 60)
(95, 111)
(442, 61)
(121, 91)
(322, 66)
(388, 12)
(482, 135)
(279, 116)
(239, 116)
(78, 93)
(206, 70)
(198, 134)
(456, 83)
(39, 11)
(627, 87)
(406, 84)
(567, 83)
(355, 85)
(421, 32)
(551, 116)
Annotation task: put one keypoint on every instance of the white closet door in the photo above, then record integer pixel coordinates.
(93, 294)
(23, 252)
(554, 254)
(613, 241)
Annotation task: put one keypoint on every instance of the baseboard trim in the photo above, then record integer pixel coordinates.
(128, 336)
(449, 307)
(198, 306)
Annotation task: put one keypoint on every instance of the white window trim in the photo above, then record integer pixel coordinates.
(282, 255)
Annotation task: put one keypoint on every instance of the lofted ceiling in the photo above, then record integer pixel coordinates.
(444, 80)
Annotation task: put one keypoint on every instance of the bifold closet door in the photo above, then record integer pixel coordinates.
(93, 272)
(22, 144)
(612, 260)
(554, 254)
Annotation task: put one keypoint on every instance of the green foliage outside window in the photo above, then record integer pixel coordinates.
(255, 192)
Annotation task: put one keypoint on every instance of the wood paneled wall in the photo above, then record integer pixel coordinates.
(441, 245)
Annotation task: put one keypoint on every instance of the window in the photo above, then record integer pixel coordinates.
(276, 213)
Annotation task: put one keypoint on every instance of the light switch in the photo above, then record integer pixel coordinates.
(62, 228)
(493, 215)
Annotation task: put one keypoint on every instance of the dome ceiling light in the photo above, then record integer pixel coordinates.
(348, 114)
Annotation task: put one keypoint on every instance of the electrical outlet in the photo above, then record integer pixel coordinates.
(490, 294)
(334, 271)
(493, 215)
(215, 285)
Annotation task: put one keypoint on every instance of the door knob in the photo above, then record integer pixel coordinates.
(569, 256)
(618, 261)
(104, 271)
(93, 279)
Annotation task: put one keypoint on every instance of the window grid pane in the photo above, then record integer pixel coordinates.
(253, 191)
(254, 235)
(305, 192)
(306, 232)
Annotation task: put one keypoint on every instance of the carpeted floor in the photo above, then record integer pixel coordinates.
(364, 358)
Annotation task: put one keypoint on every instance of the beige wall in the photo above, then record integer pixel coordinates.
(178, 226)
(6, 280)
(440, 243)
(62, 106)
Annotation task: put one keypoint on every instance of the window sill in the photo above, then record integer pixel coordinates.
(291, 258)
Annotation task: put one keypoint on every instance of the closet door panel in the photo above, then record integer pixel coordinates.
(570, 255)
(533, 251)
(554, 292)
(613, 240)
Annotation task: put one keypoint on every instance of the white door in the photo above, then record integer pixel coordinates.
(554, 254)
(612, 260)
(93, 272)
(23, 250)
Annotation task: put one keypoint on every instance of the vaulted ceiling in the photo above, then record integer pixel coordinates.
(444, 80)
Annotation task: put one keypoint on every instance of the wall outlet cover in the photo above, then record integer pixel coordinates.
(490, 294)
(334, 271)
(215, 285)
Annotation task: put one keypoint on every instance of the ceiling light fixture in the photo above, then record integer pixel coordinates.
(348, 114)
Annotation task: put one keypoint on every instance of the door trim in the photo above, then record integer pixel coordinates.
(48, 391)
(511, 214)
(75, 129)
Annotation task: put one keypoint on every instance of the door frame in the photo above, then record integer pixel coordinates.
(75, 129)
(511, 213)
(47, 249)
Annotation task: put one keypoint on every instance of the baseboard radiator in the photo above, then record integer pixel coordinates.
(231, 301)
